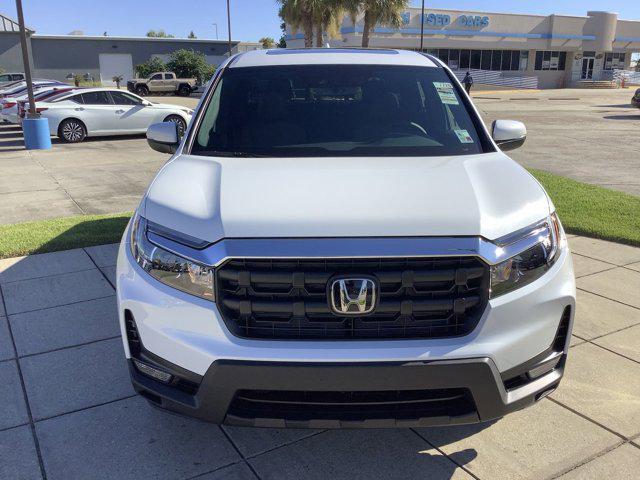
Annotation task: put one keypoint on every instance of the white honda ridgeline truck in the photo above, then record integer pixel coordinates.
(338, 241)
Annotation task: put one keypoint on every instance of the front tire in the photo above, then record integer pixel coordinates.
(142, 90)
(72, 131)
(179, 121)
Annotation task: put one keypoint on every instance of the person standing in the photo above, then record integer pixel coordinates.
(468, 82)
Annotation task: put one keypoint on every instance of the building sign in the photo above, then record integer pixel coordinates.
(442, 20)
(437, 19)
(473, 21)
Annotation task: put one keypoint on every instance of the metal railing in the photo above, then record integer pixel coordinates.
(489, 77)
(617, 77)
(627, 77)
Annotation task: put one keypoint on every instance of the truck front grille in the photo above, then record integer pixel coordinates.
(288, 298)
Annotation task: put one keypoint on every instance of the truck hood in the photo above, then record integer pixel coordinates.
(213, 198)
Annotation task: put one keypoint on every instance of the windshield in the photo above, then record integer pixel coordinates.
(337, 110)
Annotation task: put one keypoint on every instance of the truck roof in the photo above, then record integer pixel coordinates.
(325, 56)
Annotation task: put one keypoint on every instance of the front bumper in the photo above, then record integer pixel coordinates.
(458, 392)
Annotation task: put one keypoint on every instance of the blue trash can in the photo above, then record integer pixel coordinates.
(36, 133)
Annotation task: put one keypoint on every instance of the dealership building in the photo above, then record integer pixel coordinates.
(100, 58)
(538, 51)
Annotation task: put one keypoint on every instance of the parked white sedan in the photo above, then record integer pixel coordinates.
(102, 111)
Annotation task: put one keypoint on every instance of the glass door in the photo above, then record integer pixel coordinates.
(587, 68)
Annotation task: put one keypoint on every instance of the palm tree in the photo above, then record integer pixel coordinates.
(327, 16)
(298, 14)
(313, 16)
(267, 42)
(385, 12)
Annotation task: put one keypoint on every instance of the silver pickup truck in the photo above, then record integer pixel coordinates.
(163, 83)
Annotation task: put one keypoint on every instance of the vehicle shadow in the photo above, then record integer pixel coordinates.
(90, 140)
(623, 105)
(621, 117)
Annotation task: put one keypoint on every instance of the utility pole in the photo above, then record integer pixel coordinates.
(25, 61)
(216, 25)
(229, 25)
(422, 28)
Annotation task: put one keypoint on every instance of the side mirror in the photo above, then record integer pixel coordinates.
(508, 134)
(163, 137)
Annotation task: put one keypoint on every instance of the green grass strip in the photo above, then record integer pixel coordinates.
(584, 209)
(61, 234)
(593, 211)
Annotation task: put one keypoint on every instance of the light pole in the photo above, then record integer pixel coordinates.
(25, 61)
(35, 130)
(216, 25)
(229, 25)
(422, 27)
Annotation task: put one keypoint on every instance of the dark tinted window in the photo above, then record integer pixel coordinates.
(496, 60)
(169, 76)
(157, 76)
(515, 60)
(475, 59)
(121, 98)
(506, 60)
(464, 59)
(338, 110)
(538, 65)
(486, 60)
(5, 78)
(562, 61)
(75, 98)
(17, 76)
(96, 98)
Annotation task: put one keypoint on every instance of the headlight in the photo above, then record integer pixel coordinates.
(533, 262)
(167, 267)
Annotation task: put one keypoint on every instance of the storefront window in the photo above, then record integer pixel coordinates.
(486, 60)
(499, 60)
(465, 57)
(454, 59)
(496, 60)
(614, 60)
(524, 60)
(550, 60)
(475, 59)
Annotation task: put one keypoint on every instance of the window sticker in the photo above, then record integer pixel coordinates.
(445, 92)
(463, 136)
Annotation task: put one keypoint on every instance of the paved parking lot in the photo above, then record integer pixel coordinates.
(588, 135)
(69, 412)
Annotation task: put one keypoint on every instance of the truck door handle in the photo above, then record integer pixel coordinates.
(79, 109)
(119, 111)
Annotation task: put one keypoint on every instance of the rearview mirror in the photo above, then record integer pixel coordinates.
(163, 137)
(508, 134)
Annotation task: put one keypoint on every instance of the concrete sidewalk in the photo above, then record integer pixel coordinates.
(68, 410)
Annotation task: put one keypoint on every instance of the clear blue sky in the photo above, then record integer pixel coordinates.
(251, 19)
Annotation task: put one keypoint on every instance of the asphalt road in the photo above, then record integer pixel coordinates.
(588, 135)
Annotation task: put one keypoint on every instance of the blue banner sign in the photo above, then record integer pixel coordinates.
(442, 20)
(437, 19)
(473, 21)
